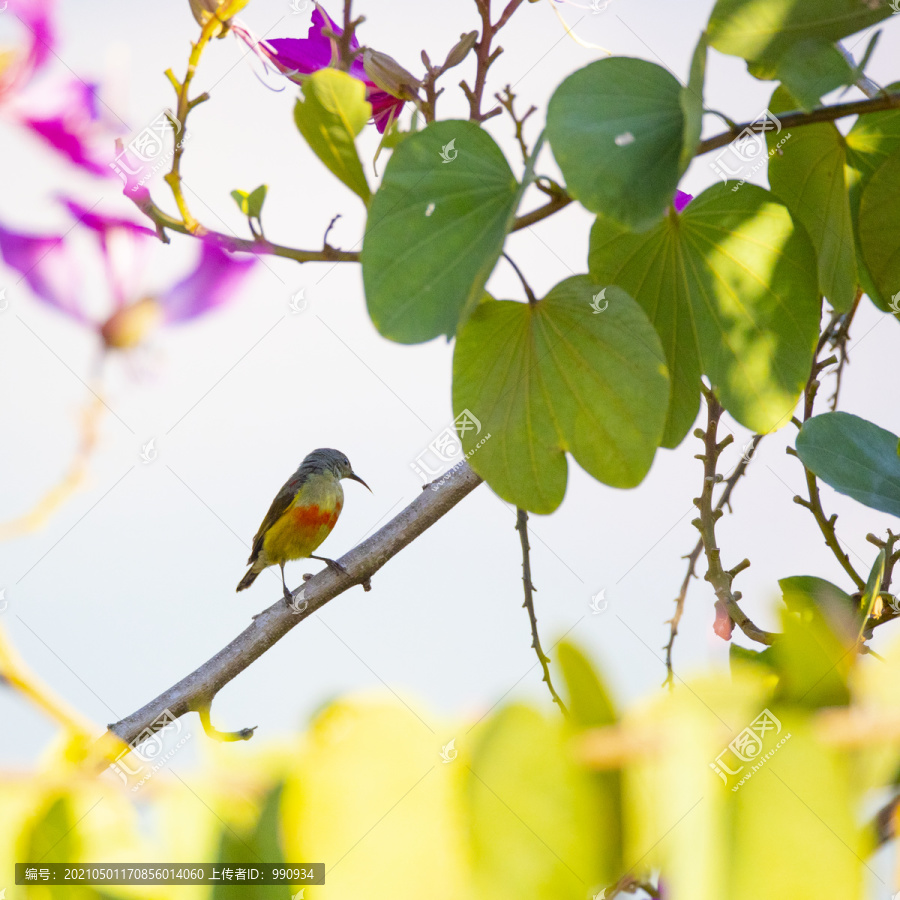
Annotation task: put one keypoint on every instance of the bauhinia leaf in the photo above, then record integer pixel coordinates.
(808, 175)
(435, 230)
(855, 457)
(730, 285)
(581, 371)
(617, 129)
(331, 113)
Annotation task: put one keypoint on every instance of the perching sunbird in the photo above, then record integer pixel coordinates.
(302, 515)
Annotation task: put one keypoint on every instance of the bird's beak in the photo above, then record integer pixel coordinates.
(356, 477)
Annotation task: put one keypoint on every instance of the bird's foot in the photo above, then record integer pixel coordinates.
(334, 565)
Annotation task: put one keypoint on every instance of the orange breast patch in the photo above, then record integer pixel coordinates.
(312, 517)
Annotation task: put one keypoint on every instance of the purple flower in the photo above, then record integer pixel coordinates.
(54, 268)
(298, 57)
(681, 200)
(18, 69)
(68, 118)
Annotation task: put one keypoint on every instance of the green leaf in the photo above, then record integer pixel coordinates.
(740, 656)
(435, 230)
(879, 224)
(855, 457)
(871, 140)
(730, 285)
(329, 115)
(799, 591)
(537, 825)
(813, 658)
(807, 173)
(691, 99)
(555, 377)
(260, 842)
(590, 705)
(870, 594)
(54, 836)
(767, 29)
(813, 68)
(251, 204)
(617, 130)
(779, 831)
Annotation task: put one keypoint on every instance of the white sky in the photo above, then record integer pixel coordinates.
(131, 585)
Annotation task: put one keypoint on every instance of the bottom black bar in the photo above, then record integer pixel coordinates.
(170, 873)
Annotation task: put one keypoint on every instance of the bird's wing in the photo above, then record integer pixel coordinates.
(278, 508)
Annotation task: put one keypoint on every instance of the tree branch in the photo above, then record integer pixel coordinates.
(881, 103)
(836, 328)
(485, 58)
(884, 101)
(196, 691)
(258, 247)
(543, 659)
(718, 577)
(694, 555)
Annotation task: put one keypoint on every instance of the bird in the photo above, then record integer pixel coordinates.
(302, 515)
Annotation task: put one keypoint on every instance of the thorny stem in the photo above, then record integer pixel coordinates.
(814, 503)
(485, 57)
(543, 659)
(694, 555)
(507, 99)
(838, 338)
(716, 575)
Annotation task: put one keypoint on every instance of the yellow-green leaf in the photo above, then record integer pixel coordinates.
(330, 114)
(581, 371)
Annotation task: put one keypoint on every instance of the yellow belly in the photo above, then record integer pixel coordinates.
(305, 524)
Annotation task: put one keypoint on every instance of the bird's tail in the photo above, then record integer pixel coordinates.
(248, 579)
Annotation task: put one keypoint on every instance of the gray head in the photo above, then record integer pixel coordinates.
(327, 460)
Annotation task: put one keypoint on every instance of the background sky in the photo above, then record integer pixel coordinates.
(130, 586)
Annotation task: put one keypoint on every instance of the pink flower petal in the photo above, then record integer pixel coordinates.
(48, 267)
(215, 281)
(37, 17)
(70, 122)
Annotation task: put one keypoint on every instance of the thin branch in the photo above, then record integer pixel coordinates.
(543, 659)
(196, 691)
(884, 101)
(343, 53)
(185, 105)
(694, 555)
(814, 503)
(164, 221)
(839, 338)
(716, 575)
(507, 101)
(529, 293)
(863, 82)
(485, 57)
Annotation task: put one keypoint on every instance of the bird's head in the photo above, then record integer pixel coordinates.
(328, 460)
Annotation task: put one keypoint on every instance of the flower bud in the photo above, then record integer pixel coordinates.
(223, 10)
(460, 51)
(387, 74)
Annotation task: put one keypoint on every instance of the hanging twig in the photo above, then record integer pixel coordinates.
(543, 659)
